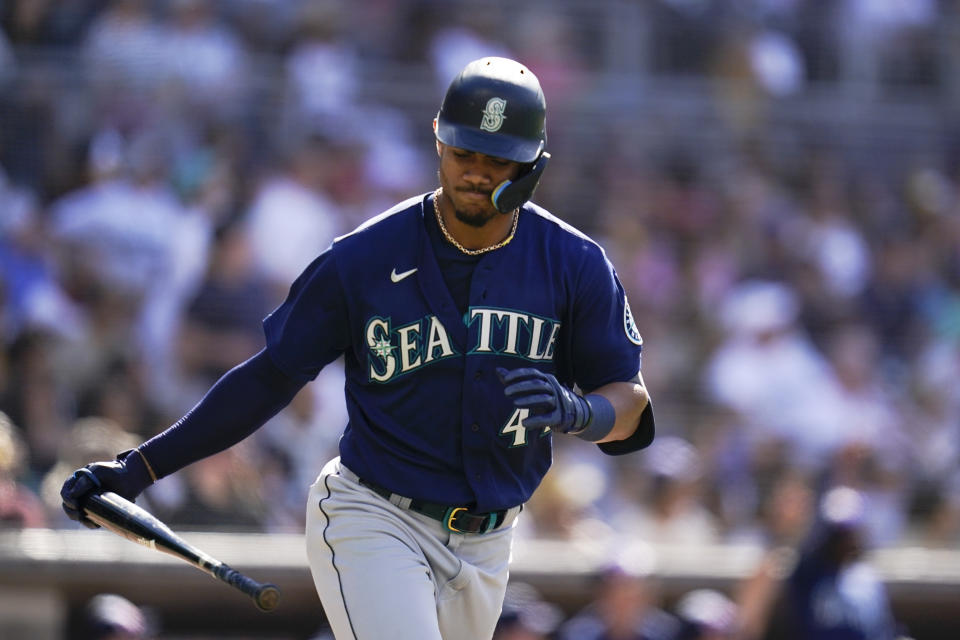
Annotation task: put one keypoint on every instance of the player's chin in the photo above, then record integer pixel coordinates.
(474, 209)
(475, 216)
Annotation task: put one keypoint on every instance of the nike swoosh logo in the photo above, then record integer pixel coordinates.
(397, 277)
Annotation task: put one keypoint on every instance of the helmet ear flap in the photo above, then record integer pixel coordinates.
(511, 194)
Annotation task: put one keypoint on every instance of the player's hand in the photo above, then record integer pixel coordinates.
(550, 403)
(126, 476)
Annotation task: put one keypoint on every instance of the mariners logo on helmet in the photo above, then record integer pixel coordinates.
(493, 115)
(473, 115)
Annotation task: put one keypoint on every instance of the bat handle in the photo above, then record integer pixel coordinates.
(265, 595)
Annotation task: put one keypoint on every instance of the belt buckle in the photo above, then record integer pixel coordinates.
(451, 515)
(449, 518)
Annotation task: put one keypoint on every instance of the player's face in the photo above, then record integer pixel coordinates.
(469, 178)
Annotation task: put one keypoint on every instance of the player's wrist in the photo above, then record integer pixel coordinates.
(573, 411)
(580, 415)
(600, 418)
(135, 476)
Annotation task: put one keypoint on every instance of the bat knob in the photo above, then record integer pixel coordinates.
(267, 598)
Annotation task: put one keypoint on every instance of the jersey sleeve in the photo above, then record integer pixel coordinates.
(605, 343)
(310, 330)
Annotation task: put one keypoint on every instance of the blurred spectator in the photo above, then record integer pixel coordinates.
(203, 58)
(936, 512)
(19, 506)
(124, 47)
(833, 591)
(893, 301)
(526, 615)
(570, 503)
(828, 237)
(884, 42)
(786, 515)
(380, 160)
(770, 372)
(323, 66)
(119, 393)
(128, 252)
(753, 68)
(116, 230)
(874, 448)
(625, 606)
(108, 616)
(222, 491)
(221, 325)
(46, 22)
(706, 614)
(670, 509)
(295, 443)
(784, 511)
(682, 38)
(550, 47)
(934, 416)
(36, 398)
(266, 26)
(33, 297)
(291, 220)
(777, 63)
(467, 35)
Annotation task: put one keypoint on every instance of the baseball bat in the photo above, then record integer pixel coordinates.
(126, 519)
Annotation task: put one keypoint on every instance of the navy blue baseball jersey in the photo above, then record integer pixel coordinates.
(428, 418)
(846, 602)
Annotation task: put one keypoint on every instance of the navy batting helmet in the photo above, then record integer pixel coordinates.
(495, 106)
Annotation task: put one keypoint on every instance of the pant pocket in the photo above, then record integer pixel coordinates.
(457, 583)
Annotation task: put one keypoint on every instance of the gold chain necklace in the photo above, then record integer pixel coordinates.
(453, 241)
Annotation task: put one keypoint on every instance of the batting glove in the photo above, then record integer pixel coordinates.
(127, 476)
(550, 403)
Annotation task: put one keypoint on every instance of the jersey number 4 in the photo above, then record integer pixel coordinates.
(515, 428)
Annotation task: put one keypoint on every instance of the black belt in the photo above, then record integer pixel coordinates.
(455, 519)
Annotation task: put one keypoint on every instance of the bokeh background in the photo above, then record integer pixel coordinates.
(776, 181)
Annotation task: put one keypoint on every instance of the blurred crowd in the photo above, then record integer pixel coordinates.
(167, 168)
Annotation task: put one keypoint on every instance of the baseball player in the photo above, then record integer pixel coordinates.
(466, 316)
